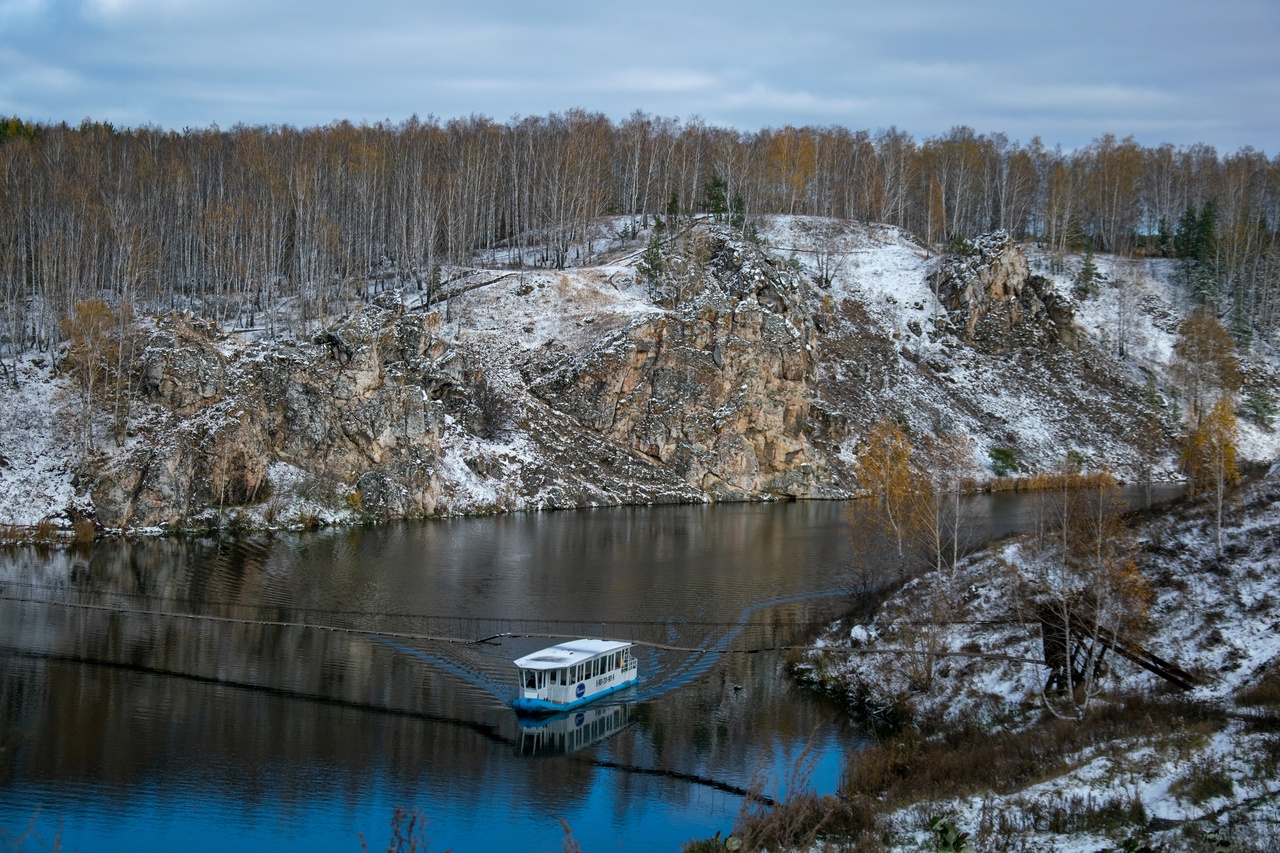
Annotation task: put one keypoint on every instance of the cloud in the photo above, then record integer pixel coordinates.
(654, 81)
(14, 11)
(1172, 69)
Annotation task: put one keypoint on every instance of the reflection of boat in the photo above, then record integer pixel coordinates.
(563, 733)
(571, 674)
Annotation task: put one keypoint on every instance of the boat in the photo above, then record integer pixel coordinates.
(571, 674)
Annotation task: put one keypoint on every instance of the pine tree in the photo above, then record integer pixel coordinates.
(651, 267)
(1194, 243)
(715, 197)
(1086, 283)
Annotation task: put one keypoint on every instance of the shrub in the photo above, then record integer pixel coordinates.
(1003, 461)
(495, 407)
(84, 531)
(1207, 780)
(1260, 407)
(1265, 692)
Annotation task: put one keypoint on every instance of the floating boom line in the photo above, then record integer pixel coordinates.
(720, 649)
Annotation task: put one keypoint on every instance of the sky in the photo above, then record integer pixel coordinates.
(1169, 71)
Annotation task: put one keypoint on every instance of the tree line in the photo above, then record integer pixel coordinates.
(229, 222)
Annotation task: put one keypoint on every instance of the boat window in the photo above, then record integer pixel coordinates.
(528, 679)
(542, 679)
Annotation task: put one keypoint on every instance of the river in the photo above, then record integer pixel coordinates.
(284, 692)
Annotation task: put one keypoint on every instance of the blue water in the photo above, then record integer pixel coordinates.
(127, 725)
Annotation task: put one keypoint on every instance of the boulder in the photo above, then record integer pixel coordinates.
(995, 302)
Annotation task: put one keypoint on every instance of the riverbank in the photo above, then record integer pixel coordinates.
(518, 389)
(966, 737)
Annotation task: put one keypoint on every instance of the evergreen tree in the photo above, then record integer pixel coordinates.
(1194, 243)
(715, 197)
(651, 266)
(673, 211)
(1086, 283)
(1164, 240)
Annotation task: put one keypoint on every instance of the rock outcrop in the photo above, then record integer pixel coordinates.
(994, 300)
(335, 409)
(733, 377)
(718, 390)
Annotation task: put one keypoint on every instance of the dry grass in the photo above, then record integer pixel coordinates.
(1265, 693)
(1205, 780)
(906, 768)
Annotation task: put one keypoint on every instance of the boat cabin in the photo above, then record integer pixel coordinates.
(573, 673)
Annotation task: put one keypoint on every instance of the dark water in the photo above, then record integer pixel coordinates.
(284, 694)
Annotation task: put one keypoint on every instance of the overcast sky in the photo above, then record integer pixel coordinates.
(1168, 71)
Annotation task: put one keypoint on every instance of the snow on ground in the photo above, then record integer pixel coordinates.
(1139, 307)
(1217, 619)
(878, 265)
(565, 308)
(35, 469)
(1155, 772)
(503, 314)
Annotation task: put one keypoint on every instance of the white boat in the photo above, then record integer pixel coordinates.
(573, 673)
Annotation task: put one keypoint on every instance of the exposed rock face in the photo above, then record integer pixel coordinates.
(180, 370)
(996, 302)
(333, 410)
(731, 381)
(710, 399)
(718, 390)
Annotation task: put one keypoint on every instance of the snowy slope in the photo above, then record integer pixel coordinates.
(1219, 619)
(882, 348)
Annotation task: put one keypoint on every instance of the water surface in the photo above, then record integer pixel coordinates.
(284, 692)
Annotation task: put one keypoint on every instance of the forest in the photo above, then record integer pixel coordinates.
(230, 223)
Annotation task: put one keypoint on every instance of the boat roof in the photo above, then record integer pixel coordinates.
(569, 653)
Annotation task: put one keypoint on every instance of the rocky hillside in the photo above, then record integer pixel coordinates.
(731, 375)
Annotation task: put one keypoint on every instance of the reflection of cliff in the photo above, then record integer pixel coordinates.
(135, 729)
(258, 710)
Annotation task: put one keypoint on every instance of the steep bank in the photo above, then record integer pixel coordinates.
(1146, 762)
(737, 373)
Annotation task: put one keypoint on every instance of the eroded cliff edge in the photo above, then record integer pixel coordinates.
(732, 376)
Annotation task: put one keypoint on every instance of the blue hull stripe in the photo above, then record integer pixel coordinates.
(542, 706)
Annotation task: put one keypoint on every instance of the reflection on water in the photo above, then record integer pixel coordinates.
(288, 692)
(562, 734)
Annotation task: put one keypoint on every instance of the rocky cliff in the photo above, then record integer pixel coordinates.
(730, 376)
(988, 289)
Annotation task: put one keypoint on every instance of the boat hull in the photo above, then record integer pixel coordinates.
(541, 707)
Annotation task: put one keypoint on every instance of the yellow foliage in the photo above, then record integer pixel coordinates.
(885, 472)
(1209, 447)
